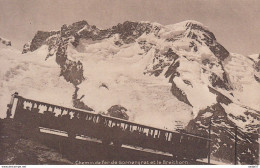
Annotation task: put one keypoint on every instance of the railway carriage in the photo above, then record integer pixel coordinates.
(109, 130)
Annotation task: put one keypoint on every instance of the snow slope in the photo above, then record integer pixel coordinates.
(241, 74)
(32, 77)
(147, 98)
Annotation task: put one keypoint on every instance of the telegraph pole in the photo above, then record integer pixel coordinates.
(209, 141)
(235, 145)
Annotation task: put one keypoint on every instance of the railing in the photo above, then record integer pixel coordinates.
(36, 104)
(75, 121)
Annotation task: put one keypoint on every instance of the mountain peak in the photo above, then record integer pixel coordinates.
(192, 22)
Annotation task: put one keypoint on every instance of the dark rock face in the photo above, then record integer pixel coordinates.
(40, 38)
(220, 97)
(129, 31)
(257, 79)
(163, 60)
(145, 46)
(256, 67)
(209, 39)
(5, 42)
(214, 79)
(222, 134)
(77, 103)
(172, 71)
(118, 112)
(72, 71)
(219, 51)
(67, 31)
(26, 47)
(179, 94)
(257, 64)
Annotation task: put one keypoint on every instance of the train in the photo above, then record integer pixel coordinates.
(109, 130)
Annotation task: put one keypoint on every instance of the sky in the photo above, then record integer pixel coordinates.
(235, 23)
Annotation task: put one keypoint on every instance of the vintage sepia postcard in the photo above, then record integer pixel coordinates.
(129, 82)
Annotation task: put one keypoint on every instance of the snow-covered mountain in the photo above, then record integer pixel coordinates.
(159, 74)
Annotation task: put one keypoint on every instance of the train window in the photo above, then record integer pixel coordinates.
(109, 123)
(97, 119)
(157, 133)
(181, 138)
(146, 131)
(94, 119)
(168, 136)
(141, 129)
(71, 114)
(153, 132)
(134, 127)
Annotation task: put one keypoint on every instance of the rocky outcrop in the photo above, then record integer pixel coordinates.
(118, 112)
(26, 48)
(223, 131)
(5, 42)
(77, 102)
(40, 38)
(179, 94)
(220, 97)
(209, 39)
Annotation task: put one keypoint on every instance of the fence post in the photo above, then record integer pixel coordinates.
(209, 141)
(235, 145)
(10, 105)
